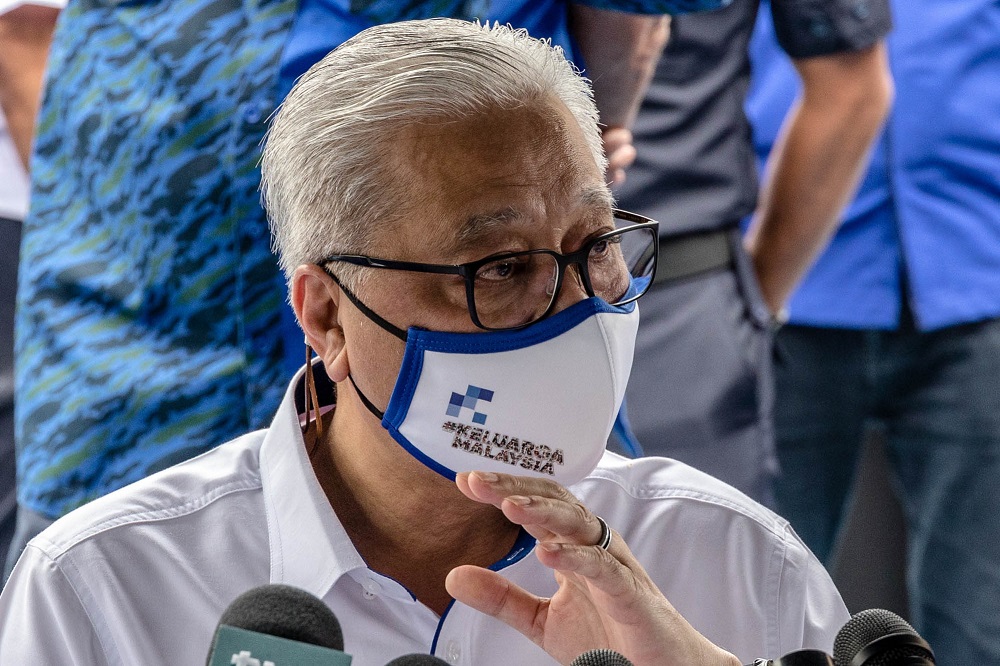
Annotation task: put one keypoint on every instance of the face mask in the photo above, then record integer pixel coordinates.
(539, 401)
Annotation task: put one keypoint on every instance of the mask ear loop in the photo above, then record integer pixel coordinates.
(312, 401)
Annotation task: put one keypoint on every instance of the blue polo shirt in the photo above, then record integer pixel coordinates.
(925, 224)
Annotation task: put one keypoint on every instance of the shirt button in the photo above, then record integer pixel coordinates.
(372, 589)
(453, 652)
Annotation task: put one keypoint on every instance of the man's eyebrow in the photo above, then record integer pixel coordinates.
(598, 196)
(481, 224)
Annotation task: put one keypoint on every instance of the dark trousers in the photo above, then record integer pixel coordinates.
(937, 397)
(701, 389)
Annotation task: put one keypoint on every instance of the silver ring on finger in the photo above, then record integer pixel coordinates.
(605, 539)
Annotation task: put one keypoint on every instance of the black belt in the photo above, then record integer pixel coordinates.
(688, 255)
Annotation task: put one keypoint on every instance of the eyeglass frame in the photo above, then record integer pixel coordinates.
(468, 270)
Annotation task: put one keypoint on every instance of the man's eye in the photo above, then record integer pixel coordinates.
(501, 270)
(603, 247)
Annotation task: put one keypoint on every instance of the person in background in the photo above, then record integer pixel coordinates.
(439, 206)
(25, 34)
(152, 321)
(708, 320)
(898, 324)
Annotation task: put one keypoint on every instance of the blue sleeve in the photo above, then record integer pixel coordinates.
(656, 6)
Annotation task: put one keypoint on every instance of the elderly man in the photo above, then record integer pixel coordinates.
(437, 195)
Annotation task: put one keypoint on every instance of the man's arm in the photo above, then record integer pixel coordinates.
(25, 36)
(620, 52)
(816, 164)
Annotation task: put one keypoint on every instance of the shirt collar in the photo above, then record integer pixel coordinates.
(309, 547)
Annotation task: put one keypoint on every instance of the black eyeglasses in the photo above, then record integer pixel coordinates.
(515, 289)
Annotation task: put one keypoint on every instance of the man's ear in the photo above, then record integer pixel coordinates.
(316, 299)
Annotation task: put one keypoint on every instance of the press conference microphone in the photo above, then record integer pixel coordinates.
(799, 658)
(804, 658)
(878, 637)
(278, 625)
(417, 660)
(601, 657)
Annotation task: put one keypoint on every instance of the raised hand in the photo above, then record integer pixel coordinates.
(605, 598)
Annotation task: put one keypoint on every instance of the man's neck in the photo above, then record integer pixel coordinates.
(406, 521)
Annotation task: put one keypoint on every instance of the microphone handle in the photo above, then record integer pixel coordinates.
(798, 658)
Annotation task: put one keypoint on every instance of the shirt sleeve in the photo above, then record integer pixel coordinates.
(808, 28)
(656, 6)
(813, 610)
(42, 619)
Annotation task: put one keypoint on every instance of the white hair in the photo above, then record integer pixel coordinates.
(326, 172)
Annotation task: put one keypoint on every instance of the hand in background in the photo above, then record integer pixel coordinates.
(620, 152)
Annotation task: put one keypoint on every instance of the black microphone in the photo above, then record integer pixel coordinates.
(878, 637)
(417, 660)
(279, 624)
(601, 657)
(804, 658)
(799, 658)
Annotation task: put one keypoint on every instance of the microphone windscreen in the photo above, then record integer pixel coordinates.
(286, 612)
(417, 660)
(877, 637)
(601, 658)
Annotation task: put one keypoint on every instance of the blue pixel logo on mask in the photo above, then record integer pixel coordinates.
(472, 396)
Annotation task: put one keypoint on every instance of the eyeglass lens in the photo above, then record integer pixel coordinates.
(518, 290)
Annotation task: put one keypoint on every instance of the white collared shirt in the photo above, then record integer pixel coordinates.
(142, 575)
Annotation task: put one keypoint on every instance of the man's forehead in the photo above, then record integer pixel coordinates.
(591, 200)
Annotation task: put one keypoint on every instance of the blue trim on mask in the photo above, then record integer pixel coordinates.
(498, 341)
(446, 472)
(626, 436)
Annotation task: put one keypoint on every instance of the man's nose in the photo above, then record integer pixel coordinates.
(572, 290)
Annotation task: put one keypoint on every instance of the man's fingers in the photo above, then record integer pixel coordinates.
(490, 593)
(544, 508)
(493, 488)
(599, 567)
(547, 519)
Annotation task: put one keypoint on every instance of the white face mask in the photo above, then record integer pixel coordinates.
(539, 401)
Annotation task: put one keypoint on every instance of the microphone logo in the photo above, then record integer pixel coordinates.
(245, 659)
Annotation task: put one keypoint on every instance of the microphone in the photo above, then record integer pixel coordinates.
(601, 657)
(878, 637)
(278, 625)
(417, 660)
(799, 658)
(804, 658)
